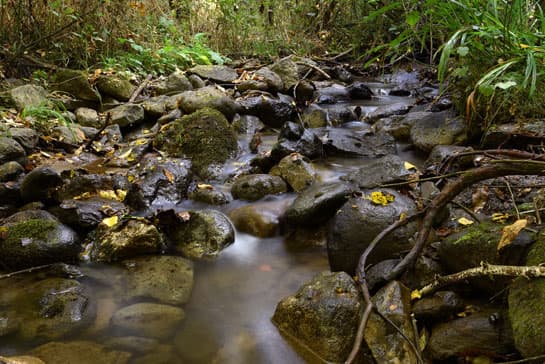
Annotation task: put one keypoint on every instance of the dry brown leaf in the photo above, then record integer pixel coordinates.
(168, 175)
(479, 198)
(510, 232)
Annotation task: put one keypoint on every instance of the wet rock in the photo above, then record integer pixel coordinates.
(373, 173)
(359, 91)
(293, 138)
(44, 310)
(287, 70)
(70, 135)
(323, 315)
(163, 354)
(395, 126)
(76, 84)
(198, 234)
(272, 111)
(247, 124)
(125, 240)
(155, 107)
(514, 135)
(332, 93)
(209, 196)
(10, 194)
(260, 219)
(27, 96)
(387, 345)
(296, 170)
(10, 171)
(115, 86)
(196, 81)
(345, 142)
(376, 274)
(272, 79)
(216, 73)
(437, 128)
(166, 279)
(135, 344)
(318, 203)
(176, 82)
(206, 97)
(81, 352)
(26, 137)
(440, 154)
(158, 182)
(358, 222)
(33, 239)
(148, 320)
(339, 114)
(438, 307)
(127, 115)
(87, 117)
(526, 299)
(204, 136)
(130, 153)
(426, 268)
(315, 117)
(25, 359)
(86, 214)
(484, 332)
(255, 186)
(384, 111)
(10, 150)
(108, 140)
(78, 183)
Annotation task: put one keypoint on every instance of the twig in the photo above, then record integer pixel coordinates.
(316, 68)
(411, 344)
(471, 213)
(526, 360)
(484, 270)
(512, 198)
(140, 88)
(107, 122)
(361, 276)
(28, 270)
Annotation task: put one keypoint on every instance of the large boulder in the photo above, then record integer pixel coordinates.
(81, 352)
(198, 234)
(206, 97)
(31, 238)
(148, 319)
(217, 73)
(27, 96)
(126, 239)
(437, 128)
(204, 136)
(115, 86)
(296, 170)
(360, 220)
(10, 150)
(127, 115)
(255, 186)
(373, 173)
(166, 279)
(273, 111)
(323, 315)
(526, 299)
(75, 83)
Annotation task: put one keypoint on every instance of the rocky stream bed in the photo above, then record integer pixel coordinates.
(218, 215)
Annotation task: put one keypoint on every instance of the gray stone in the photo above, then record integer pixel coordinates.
(28, 96)
(315, 117)
(196, 81)
(358, 222)
(76, 84)
(350, 143)
(318, 203)
(81, 352)
(155, 107)
(296, 170)
(127, 114)
(125, 240)
(288, 72)
(68, 134)
(272, 111)
(10, 171)
(255, 186)
(439, 128)
(206, 97)
(387, 345)
(294, 138)
(39, 184)
(260, 219)
(87, 117)
(115, 86)
(166, 279)
(440, 154)
(217, 73)
(438, 307)
(10, 150)
(176, 82)
(272, 79)
(148, 319)
(323, 315)
(384, 111)
(86, 214)
(373, 173)
(26, 137)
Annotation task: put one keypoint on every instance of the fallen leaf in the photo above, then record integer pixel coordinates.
(500, 217)
(393, 307)
(204, 186)
(416, 295)
(464, 221)
(83, 196)
(126, 154)
(110, 221)
(510, 232)
(479, 198)
(168, 175)
(379, 198)
(409, 166)
(108, 194)
(121, 194)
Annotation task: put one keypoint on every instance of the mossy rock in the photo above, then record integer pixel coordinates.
(76, 84)
(37, 241)
(526, 301)
(116, 87)
(206, 137)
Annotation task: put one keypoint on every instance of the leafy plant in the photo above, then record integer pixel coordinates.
(45, 116)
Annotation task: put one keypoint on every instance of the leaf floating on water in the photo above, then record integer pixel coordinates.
(510, 232)
(110, 221)
(465, 221)
(379, 198)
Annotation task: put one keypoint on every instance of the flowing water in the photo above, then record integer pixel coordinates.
(228, 316)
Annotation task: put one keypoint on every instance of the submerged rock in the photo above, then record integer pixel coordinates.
(148, 320)
(31, 239)
(81, 352)
(322, 316)
(259, 219)
(255, 186)
(358, 222)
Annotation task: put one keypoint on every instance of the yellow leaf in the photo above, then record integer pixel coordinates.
(402, 216)
(409, 166)
(464, 221)
(500, 217)
(131, 178)
(109, 194)
(126, 154)
(121, 194)
(416, 295)
(168, 175)
(110, 221)
(379, 198)
(204, 186)
(83, 196)
(140, 141)
(510, 232)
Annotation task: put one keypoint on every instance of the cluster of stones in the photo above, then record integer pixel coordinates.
(158, 151)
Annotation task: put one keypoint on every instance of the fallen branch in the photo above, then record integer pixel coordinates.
(28, 270)
(140, 88)
(469, 177)
(316, 68)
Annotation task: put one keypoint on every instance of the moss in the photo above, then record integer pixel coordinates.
(35, 229)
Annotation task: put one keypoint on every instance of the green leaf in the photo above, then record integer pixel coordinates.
(505, 85)
(462, 51)
(486, 90)
(413, 18)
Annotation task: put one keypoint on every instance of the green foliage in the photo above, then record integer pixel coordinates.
(46, 116)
